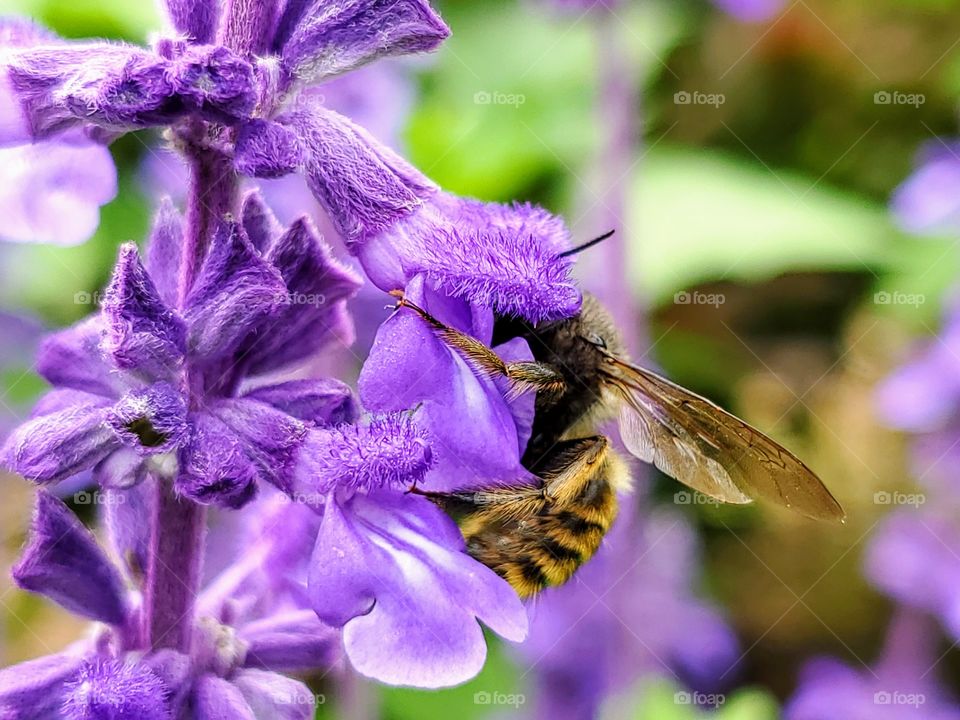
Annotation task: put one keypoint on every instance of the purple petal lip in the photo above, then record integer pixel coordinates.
(63, 561)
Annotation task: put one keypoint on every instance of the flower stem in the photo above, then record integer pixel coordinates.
(176, 561)
(246, 24)
(211, 196)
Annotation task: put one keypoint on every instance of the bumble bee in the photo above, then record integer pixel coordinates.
(537, 535)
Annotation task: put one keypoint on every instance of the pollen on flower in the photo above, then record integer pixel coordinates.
(388, 452)
(110, 690)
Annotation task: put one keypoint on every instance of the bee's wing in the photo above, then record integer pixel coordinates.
(706, 448)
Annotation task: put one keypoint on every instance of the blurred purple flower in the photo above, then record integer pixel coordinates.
(900, 686)
(628, 614)
(49, 191)
(927, 202)
(750, 10)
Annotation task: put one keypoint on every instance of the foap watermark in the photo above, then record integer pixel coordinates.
(85, 497)
(895, 97)
(885, 697)
(484, 97)
(298, 298)
(884, 497)
(699, 298)
(485, 697)
(685, 97)
(884, 297)
(682, 697)
(685, 497)
(84, 297)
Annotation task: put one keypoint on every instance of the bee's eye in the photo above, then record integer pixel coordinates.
(597, 340)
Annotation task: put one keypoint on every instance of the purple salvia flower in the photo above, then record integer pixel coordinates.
(50, 191)
(900, 686)
(926, 202)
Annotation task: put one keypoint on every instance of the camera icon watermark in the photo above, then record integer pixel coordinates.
(886, 697)
(683, 697)
(885, 297)
(485, 97)
(884, 497)
(695, 97)
(85, 297)
(699, 298)
(485, 697)
(895, 97)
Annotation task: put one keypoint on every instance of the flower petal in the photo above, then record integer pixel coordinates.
(164, 250)
(259, 223)
(266, 149)
(127, 535)
(72, 358)
(33, 690)
(197, 19)
(107, 689)
(216, 83)
(214, 467)
(270, 438)
(274, 697)
(152, 420)
(508, 257)
(216, 699)
(235, 293)
(364, 186)
(51, 192)
(338, 36)
(409, 365)
(117, 87)
(321, 402)
(390, 570)
(142, 333)
(63, 561)
(52, 447)
(293, 641)
(314, 313)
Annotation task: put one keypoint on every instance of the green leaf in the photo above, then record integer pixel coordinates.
(700, 216)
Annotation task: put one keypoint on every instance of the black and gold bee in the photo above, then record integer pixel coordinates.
(537, 535)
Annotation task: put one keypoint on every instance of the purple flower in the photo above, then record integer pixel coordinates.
(750, 10)
(119, 404)
(900, 686)
(50, 191)
(926, 202)
(230, 671)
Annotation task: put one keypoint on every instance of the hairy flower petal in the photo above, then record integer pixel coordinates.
(217, 699)
(292, 641)
(502, 256)
(364, 186)
(274, 697)
(63, 561)
(388, 452)
(54, 446)
(165, 249)
(214, 465)
(320, 402)
(114, 690)
(33, 690)
(213, 81)
(72, 358)
(390, 569)
(142, 333)
(313, 316)
(151, 420)
(344, 34)
(259, 223)
(267, 149)
(197, 19)
(236, 293)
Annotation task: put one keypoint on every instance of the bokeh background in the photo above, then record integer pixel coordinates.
(768, 267)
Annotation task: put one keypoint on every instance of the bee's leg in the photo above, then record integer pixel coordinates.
(522, 376)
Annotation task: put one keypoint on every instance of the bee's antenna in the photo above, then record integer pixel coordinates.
(591, 243)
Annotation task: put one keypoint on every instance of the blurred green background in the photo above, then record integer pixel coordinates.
(775, 198)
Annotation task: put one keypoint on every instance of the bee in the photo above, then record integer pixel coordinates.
(538, 534)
